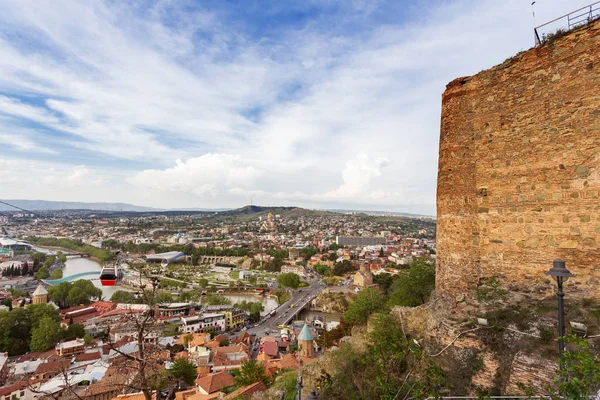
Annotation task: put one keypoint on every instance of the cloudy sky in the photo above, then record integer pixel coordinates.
(206, 104)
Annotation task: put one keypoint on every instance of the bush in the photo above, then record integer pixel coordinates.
(413, 287)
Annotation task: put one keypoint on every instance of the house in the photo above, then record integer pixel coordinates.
(296, 269)
(363, 278)
(234, 318)
(17, 391)
(203, 323)
(114, 382)
(193, 340)
(230, 357)
(199, 355)
(214, 382)
(70, 347)
(50, 369)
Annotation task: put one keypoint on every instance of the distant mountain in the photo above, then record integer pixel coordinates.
(43, 205)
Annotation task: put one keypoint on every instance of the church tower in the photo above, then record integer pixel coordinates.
(40, 296)
(306, 347)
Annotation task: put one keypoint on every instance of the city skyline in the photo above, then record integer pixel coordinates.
(206, 105)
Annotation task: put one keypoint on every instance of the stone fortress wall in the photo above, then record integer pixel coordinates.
(519, 173)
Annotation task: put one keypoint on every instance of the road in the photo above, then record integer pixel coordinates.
(269, 326)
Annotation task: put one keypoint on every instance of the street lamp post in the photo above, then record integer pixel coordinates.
(560, 273)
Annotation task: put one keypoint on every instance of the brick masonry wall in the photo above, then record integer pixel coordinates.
(519, 176)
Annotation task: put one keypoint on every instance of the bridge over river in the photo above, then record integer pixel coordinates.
(92, 275)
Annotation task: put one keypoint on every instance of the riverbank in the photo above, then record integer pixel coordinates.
(67, 250)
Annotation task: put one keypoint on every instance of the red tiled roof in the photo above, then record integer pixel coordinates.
(87, 356)
(6, 390)
(270, 348)
(214, 382)
(53, 366)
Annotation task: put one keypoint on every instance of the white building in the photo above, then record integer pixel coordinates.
(203, 323)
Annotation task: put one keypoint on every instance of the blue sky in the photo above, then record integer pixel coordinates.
(321, 103)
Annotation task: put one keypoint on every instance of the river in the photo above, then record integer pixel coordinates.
(76, 265)
(269, 303)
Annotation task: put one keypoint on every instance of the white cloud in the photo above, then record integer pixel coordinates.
(207, 175)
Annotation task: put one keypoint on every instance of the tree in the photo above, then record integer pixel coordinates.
(251, 372)
(45, 335)
(322, 269)
(579, 375)
(252, 280)
(61, 257)
(171, 330)
(60, 293)
(289, 279)
(413, 287)
(342, 268)
(56, 274)
(7, 303)
(183, 370)
(384, 281)
(367, 302)
(75, 330)
(43, 273)
(38, 259)
(163, 297)
(124, 297)
(87, 339)
(203, 282)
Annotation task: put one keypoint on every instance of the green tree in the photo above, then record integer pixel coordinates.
(342, 268)
(75, 330)
(289, 279)
(45, 335)
(87, 339)
(124, 297)
(7, 303)
(40, 311)
(203, 282)
(413, 287)
(368, 301)
(61, 257)
(384, 281)
(215, 299)
(60, 293)
(15, 331)
(322, 269)
(183, 370)
(251, 372)
(579, 375)
(171, 330)
(38, 259)
(43, 273)
(163, 297)
(49, 261)
(252, 280)
(56, 274)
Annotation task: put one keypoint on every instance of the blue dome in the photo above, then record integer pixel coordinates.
(305, 333)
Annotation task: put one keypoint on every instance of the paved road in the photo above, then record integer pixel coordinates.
(269, 326)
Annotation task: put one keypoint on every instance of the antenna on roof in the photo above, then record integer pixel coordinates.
(533, 14)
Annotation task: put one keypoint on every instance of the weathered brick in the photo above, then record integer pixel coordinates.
(538, 121)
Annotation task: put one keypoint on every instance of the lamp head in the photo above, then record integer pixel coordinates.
(559, 271)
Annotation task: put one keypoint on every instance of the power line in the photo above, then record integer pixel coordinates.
(19, 208)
